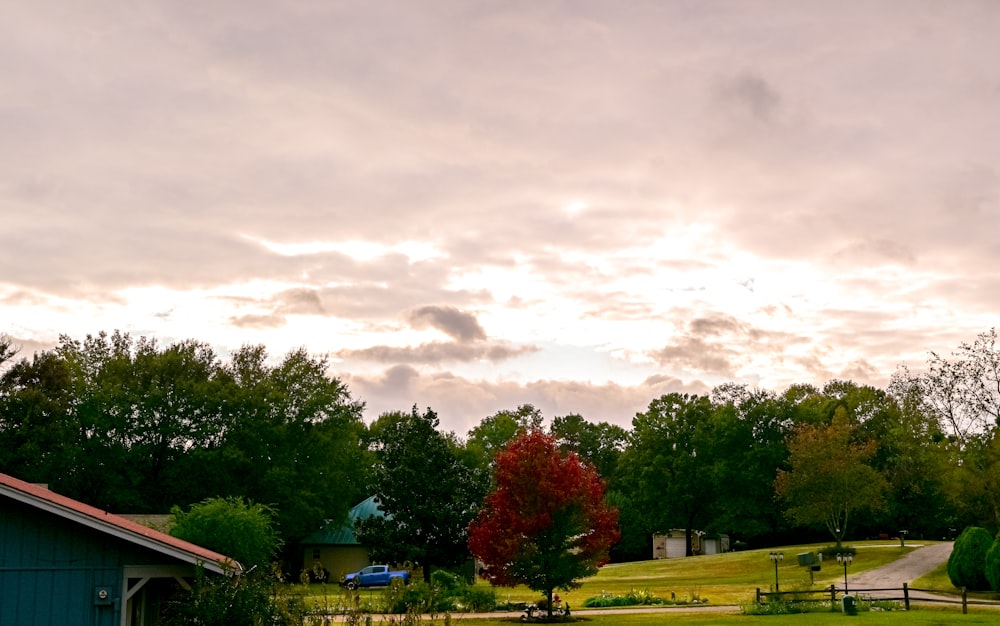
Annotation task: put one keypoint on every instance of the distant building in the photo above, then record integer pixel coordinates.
(64, 562)
(335, 548)
(672, 545)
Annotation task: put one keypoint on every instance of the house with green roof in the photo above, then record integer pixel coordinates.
(335, 548)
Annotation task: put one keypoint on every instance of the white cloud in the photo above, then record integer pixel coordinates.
(593, 184)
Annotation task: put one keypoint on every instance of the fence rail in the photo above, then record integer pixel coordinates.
(905, 598)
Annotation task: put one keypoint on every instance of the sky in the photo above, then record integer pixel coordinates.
(472, 205)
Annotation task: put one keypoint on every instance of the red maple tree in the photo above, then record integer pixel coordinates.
(545, 524)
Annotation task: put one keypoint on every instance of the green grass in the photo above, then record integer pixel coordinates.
(728, 578)
(722, 579)
(921, 617)
(938, 581)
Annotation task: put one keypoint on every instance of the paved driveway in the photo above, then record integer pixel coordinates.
(912, 566)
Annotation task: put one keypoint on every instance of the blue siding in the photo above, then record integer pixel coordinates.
(50, 568)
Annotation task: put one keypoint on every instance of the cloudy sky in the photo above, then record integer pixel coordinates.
(472, 205)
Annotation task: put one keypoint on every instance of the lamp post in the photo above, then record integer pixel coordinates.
(776, 558)
(845, 560)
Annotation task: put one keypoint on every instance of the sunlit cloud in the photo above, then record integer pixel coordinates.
(415, 251)
(473, 209)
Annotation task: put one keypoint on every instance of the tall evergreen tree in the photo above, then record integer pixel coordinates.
(428, 494)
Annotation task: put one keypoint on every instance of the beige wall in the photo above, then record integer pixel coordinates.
(338, 560)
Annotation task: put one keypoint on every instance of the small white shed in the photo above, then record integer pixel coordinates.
(671, 544)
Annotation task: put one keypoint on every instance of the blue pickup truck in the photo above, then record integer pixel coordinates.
(375, 576)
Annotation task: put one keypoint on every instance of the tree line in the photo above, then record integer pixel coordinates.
(129, 425)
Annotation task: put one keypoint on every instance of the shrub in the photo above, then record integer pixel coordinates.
(237, 528)
(221, 601)
(478, 599)
(448, 583)
(632, 598)
(420, 597)
(993, 564)
(779, 606)
(830, 552)
(775, 607)
(967, 563)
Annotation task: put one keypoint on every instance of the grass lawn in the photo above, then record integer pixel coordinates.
(729, 578)
(918, 617)
(938, 581)
(721, 579)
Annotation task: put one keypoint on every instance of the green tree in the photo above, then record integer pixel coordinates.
(38, 435)
(493, 434)
(600, 444)
(916, 458)
(128, 425)
(750, 428)
(7, 349)
(428, 494)
(291, 439)
(829, 479)
(964, 391)
(235, 527)
(967, 563)
(667, 467)
(545, 523)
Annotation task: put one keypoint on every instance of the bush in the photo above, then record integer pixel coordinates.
(420, 597)
(830, 552)
(445, 593)
(967, 563)
(993, 564)
(237, 528)
(632, 598)
(448, 583)
(478, 599)
(220, 601)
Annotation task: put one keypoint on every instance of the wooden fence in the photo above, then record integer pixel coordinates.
(832, 591)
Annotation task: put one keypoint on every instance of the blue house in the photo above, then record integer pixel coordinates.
(64, 563)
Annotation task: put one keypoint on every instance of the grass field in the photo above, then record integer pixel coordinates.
(921, 617)
(722, 579)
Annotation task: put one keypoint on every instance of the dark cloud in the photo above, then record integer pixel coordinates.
(877, 252)
(752, 94)
(463, 402)
(692, 353)
(459, 325)
(722, 345)
(300, 302)
(258, 321)
(437, 352)
(718, 325)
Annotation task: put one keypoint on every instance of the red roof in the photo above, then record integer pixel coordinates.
(109, 523)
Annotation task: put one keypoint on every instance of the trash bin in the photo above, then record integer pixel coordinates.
(850, 605)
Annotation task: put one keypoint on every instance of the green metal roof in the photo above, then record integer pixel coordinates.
(342, 533)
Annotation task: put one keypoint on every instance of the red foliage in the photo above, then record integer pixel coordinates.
(545, 523)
